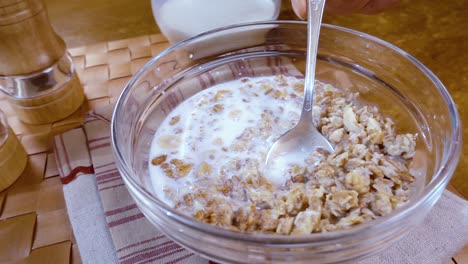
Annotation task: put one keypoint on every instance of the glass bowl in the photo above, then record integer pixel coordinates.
(383, 74)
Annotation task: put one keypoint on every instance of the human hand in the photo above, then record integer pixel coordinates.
(346, 6)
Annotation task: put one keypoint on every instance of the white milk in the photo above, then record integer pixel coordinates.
(180, 19)
(198, 128)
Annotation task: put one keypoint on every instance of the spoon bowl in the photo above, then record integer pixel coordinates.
(304, 138)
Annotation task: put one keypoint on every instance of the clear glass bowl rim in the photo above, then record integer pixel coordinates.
(438, 181)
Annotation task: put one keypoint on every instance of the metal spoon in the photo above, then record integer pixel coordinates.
(304, 137)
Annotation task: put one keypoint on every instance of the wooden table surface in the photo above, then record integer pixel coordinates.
(432, 31)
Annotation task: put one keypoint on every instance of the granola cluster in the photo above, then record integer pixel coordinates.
(366, 177)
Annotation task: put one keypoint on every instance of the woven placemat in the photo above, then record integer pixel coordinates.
(34, 224)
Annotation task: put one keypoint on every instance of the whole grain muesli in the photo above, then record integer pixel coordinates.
(207, 159)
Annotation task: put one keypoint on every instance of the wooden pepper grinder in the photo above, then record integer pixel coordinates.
(13, 157)
(36, 71)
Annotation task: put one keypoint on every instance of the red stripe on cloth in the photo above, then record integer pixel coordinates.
(235, 66)
(73, 173)
(233, 71)
(65, 154)
(158, 254)
(172, 101)
(284, 70)
(99, 146)
(104, 165)
(116, 178)
(111, 187)
(201, 82)
(163, 256)
(107, 173)
(247, 68)
(99, 117)
(210, 78)
(276, 65)
(251, 68)
(103, 118)
(139, 243)
(125, 220)
(241, 68)
(175, 261)
(269, 63)
(165, 244)
(120, 210)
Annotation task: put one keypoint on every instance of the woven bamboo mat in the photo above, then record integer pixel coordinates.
(34, 225)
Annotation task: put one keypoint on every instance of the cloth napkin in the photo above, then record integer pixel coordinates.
(109, 228)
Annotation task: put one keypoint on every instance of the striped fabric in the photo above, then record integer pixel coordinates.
(135, 239)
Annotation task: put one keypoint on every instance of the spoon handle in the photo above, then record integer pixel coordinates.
(315, 12)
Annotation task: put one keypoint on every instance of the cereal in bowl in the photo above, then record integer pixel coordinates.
(207, 159)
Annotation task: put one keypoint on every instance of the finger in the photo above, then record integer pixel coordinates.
(300, 8)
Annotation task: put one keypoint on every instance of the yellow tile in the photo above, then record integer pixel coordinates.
(140, 52)
(21, 128)
(116, 86)
(139, 41)
(53, 254)
(78, 51)
(51, 166)
(80, 73)
(93, 104)
(158, 47)
(118, 44)
(119, 56)
(52, 227)
(157, 38)
(79, 62)
(97, 74)
(17, 234)
(36, 143)
(76, 258)
(20, 200)
(119, 70)
(50, 197)
(34, 171)
(138, 64)
(462, 255)
(96, 48)
(94, 91)
(64, 128)
(95, 59)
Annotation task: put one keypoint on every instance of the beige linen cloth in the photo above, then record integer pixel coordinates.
(109, 228)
